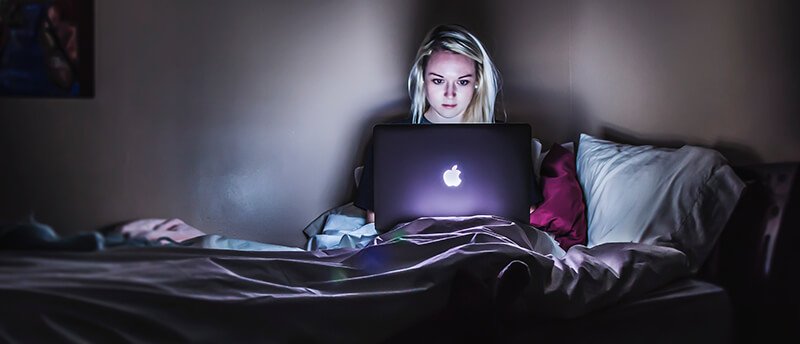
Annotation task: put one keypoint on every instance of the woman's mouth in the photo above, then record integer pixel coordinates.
(449, 106)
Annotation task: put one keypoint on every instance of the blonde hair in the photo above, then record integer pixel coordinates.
(456, 39)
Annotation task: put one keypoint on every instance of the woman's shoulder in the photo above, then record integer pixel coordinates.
(405, 120)
(399, 120)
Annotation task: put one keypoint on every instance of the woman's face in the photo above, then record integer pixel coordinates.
(449, 86)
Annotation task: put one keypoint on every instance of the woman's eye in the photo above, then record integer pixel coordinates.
(437, 81)
(463, 82)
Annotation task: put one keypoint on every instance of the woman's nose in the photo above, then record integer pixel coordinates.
(450, 91)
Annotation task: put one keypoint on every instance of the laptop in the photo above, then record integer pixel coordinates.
(443, 170)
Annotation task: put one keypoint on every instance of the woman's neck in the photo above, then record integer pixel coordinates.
(434, 117)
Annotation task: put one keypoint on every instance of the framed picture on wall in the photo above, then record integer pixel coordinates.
(47, 48)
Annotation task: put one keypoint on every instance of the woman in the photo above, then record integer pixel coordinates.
(453, 80)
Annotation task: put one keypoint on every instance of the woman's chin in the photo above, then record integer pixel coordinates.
(449, 114)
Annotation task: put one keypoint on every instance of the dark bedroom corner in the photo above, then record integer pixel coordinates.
(165, 165)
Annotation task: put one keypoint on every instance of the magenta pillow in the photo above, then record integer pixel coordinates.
(563, 211)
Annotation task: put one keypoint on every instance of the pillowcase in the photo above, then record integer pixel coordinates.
(562, 212)
(538, 155)
(357, 174)
(679, 198)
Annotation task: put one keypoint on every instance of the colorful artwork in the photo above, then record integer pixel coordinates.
(46, 48)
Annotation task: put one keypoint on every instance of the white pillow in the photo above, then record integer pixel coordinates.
(681, 198)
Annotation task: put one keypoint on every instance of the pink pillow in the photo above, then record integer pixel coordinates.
(563, 211)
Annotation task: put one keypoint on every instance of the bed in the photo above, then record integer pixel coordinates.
(467, 279)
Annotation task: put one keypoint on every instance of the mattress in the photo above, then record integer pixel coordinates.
(449, 274)
(685, 311)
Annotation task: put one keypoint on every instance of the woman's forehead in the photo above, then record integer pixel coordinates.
(450, 64)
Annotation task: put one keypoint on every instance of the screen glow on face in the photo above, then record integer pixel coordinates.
(449, 86)
(452, 177)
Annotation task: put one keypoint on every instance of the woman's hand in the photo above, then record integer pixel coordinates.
(154, 229)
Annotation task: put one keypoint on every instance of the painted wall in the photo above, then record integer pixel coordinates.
(718, 73)
(243, 118)
(246, 118)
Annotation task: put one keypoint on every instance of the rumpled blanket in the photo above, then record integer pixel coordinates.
(341, 227)
(396, 283)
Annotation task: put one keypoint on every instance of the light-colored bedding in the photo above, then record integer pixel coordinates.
(653, 215)
(680, 198)
(340, 227)
(168, 294)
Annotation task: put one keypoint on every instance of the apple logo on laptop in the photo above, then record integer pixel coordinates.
(451, 176)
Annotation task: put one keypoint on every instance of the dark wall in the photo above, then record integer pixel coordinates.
(247, 118)
(241, 117)
(717, 73)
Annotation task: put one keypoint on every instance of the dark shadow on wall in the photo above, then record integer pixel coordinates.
(15, 205)
(555, 117)
(470, 14)
(388, 112)
(783, 17)
(737, 154)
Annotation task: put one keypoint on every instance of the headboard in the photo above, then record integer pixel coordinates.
(755, 257)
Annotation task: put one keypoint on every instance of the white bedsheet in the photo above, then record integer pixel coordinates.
(177, 294)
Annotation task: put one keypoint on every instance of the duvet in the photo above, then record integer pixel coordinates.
(370, 294)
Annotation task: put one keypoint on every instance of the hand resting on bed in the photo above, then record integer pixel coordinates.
(155, 229)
